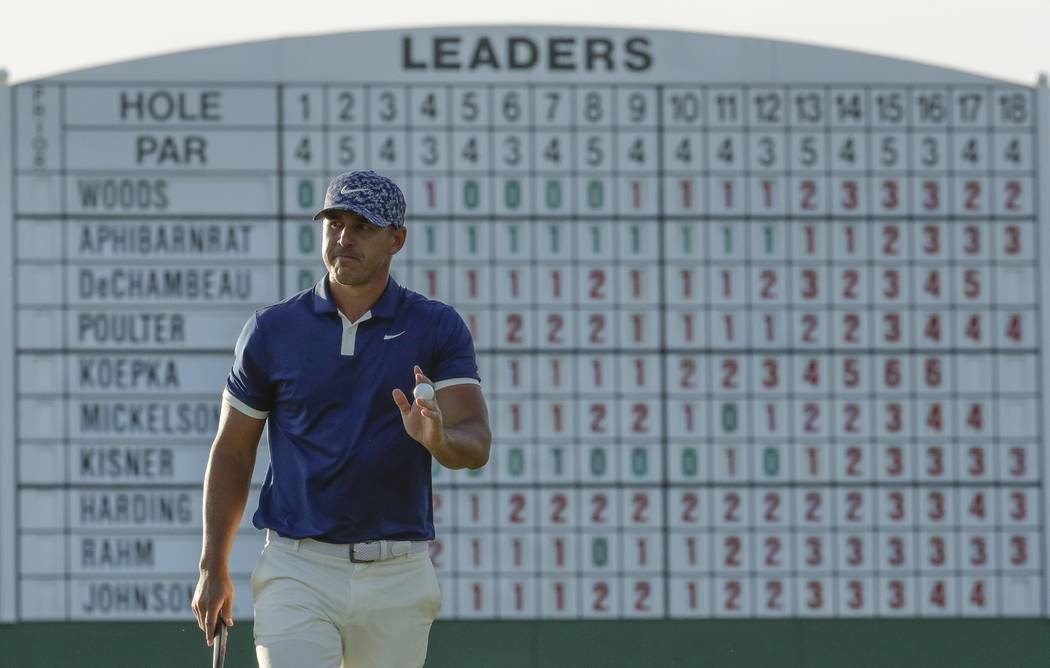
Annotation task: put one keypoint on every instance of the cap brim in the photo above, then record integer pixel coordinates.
(359, 210)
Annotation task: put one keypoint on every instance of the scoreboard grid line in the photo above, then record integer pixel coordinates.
(791, 441)
(588, 351)
(11, 600)
(281, 204)
(995, 387)
(833, 454)
(705, 218)
(503, 83)
(748, 335)
(661, 231)
(916, 486)
(64, 297)
(712, 484)
(953, 298)
(1041, 165)
(869, 234)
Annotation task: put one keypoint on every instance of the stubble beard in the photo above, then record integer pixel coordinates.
(346, 275)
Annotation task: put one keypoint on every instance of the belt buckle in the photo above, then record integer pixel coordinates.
(353, 557)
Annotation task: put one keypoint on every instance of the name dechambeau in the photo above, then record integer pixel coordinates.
(204, 283)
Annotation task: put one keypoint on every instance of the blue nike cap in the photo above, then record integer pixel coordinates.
(368, 194)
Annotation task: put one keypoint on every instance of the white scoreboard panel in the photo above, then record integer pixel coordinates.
(759, 324)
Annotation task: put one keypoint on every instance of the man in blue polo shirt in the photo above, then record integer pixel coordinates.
(345, 578)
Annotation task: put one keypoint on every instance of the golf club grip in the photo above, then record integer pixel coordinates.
(218, 656)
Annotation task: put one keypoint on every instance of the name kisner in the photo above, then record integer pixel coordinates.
(554, 54)
(126, 463)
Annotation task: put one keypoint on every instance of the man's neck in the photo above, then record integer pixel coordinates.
(353, 301)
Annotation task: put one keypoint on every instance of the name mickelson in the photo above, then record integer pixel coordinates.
(519, 52)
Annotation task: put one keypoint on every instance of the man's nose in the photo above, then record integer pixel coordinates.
(345, 236)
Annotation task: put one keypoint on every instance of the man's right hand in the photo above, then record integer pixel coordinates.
(212, 599)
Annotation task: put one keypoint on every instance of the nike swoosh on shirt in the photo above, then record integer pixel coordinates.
(387, 337)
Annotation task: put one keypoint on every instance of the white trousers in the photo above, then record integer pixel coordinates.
(320, 611)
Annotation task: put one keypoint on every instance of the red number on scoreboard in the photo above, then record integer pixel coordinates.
(559, 502)
(642, 591)
(601, 592)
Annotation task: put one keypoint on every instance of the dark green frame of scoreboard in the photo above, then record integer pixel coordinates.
(981, 643)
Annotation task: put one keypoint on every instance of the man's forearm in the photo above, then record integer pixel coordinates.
(466, 445)
(226, 485)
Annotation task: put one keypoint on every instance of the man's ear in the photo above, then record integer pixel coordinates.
(397, 241)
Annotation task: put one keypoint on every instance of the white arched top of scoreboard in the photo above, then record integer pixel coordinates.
(525, 54)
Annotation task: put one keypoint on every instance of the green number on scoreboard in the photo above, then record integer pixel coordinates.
(639, 461)
(597, 461)
(636, 239)
(306, 194)
(771, 461)
(727, 233)
(306, 279)
(595, 194)
(729, 417)
(471, 194)
(512, 194)
(472, 239)
(514, 238)
(554, 238)
(596, 238)
(769, 239)
(690, 462)
(557, 452)
(516, 461)
(599, 551)
(431, 241)
(552, 194)
(307, 238)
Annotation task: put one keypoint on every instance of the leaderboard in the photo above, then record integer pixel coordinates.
(760, 325)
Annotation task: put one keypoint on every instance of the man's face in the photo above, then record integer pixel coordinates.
(355, 250)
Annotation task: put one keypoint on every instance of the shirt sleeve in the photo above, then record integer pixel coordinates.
(248, 387)
(454, 362)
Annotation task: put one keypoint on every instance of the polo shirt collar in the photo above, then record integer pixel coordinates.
(385, 306)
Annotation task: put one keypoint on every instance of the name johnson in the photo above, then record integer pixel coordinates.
(152, 597)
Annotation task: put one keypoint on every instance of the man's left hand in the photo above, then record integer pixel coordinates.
(423, 419)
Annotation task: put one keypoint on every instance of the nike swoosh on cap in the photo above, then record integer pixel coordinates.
(347, 191)
(387, 337)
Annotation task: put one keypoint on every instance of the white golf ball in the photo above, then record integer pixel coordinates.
(424, 391)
